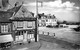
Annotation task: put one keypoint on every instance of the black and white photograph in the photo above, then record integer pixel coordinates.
(39, 24)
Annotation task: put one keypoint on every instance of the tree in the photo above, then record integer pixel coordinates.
(54, 16)
(64, 22)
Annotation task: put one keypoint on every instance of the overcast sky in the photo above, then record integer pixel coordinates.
(68, 10)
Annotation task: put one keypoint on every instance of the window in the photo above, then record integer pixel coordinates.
(29, 24)
(30, 34)
(4, 28)
(20, 24)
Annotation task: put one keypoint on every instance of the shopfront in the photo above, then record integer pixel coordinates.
(24, 30)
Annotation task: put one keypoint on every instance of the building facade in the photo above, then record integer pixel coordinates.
(18, 25)
(6, 37)
(24, 29)
(24, 25)
(51, 20)
(42, 20)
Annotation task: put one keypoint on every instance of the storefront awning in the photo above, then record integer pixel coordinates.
(6, 38)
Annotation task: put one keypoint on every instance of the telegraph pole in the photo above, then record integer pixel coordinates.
(36, 7)
(36, 33)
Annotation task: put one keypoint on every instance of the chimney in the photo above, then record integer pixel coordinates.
(5, 3)
(16, 4)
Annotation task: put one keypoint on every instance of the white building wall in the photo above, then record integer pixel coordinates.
(25, 24)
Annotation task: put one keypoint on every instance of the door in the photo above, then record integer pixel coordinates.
(25, 36)
(19, 36)
(30, 36)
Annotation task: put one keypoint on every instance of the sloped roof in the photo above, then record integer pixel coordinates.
(23, 19)
(41, 15)
(51, 17)
(23, 12)
(14, 9)
(4, 16)
(19, 10)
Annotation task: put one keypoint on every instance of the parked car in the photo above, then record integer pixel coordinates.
(50, 26)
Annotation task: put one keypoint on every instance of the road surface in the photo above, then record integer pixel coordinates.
(50, 43)
(65, 34)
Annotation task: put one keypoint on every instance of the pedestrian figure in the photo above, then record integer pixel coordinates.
(29, 41)
(54, 34)
(20, 43)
